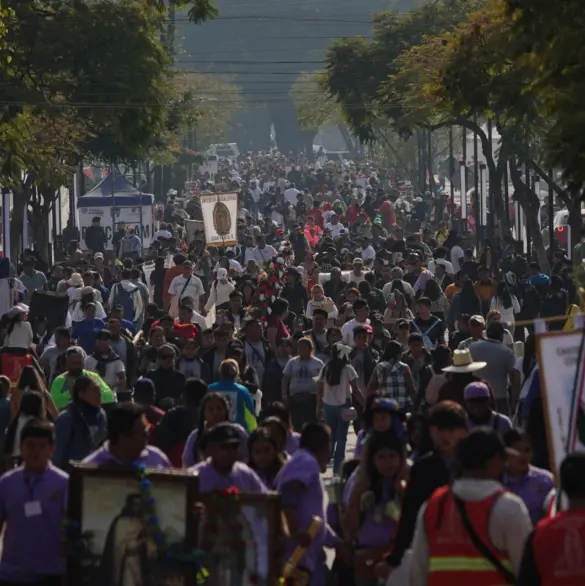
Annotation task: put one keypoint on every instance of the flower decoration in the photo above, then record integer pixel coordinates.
(225, 505)
(269, 287)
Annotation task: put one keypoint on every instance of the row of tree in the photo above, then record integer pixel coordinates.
(516, 63)
(93, 82)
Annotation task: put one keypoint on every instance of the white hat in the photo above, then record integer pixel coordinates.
(98, 255)
(463, 362)
(21, 308)
(76, 280)
(222, 273)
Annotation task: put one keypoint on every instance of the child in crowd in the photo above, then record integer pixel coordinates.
(265, 458)
(372, 497)
(279, 410)
(381, 414)
(215, 409)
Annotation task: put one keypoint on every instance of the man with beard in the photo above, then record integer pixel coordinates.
(478, 404)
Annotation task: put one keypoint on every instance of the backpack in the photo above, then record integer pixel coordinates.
(125, 299)
(425, 335)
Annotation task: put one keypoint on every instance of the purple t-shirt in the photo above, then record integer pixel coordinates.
(190, 455)
(533, 488)
(292, 443)
(377, 529)
(241, 476)
(359, 443)
(151, 457)
(501, 424)
(32, 507)
(308, 502)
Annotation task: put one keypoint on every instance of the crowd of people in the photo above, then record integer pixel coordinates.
(346, 302)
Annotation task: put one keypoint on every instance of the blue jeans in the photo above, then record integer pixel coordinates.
(339, 430)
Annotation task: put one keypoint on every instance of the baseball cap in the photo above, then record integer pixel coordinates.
(223, 433)
(476, 390)
(98, 255)
(478, 319)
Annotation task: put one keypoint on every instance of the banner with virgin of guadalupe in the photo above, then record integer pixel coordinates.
(220, 212)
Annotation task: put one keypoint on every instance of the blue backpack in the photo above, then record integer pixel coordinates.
(125, 299)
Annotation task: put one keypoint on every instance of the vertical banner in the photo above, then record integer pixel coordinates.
(562, 383)
(220, 212)
(6, 222)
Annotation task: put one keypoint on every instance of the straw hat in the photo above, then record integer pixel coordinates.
(463, 362)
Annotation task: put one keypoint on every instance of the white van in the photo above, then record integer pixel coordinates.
(210, 165)
(226, 151)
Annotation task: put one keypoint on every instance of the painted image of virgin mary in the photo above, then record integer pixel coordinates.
(129, 548)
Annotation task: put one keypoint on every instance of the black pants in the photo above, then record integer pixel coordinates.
(48, 581)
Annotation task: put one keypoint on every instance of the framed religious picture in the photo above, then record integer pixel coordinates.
(241, 533)
(132, 527)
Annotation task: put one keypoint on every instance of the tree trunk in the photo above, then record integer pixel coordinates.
(41, 210)
(20, 196)
(530, 204)
(349, 143)
(575, 218)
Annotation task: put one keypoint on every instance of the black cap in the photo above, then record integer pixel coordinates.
(222, 433)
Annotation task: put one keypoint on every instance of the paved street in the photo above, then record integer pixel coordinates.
(350, 447)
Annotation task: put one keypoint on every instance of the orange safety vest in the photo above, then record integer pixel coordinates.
(453, 559)
(559, 549)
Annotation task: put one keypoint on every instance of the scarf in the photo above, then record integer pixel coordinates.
(103, 360)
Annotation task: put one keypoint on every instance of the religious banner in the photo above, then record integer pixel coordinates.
(132, 527)
(240, 533)
(220, 212)
(558, 355)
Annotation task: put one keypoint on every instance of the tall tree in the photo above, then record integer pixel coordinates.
(547, 37)
(83, 80)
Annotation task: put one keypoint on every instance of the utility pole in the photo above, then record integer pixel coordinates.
(162, 174)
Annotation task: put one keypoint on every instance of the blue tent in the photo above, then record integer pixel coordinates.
(125, 195)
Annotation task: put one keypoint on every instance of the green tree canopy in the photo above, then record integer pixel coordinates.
(549, 42)
(358, 69)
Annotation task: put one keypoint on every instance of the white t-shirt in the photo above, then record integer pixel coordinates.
(507, 312)
(21, 336)
(303, 374)
(347, 330)
(194, 289)
(456, 254)
(263, 255)
(441, 261)
(234, 264)
(78, 315)
(339, 394)
(335, 229)
(290, 195)
(113, 369)
(162, 234)
(368, 253)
